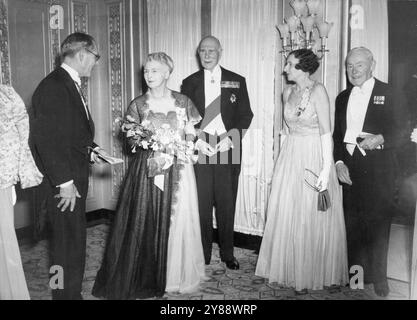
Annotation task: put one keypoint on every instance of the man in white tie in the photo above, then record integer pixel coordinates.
(222, 99)
(62, 133)
(367, 130)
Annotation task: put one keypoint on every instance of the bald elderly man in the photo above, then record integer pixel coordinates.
(367, 131)
(222, 99)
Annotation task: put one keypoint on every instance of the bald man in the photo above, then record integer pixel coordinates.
(367, 130)
(222, 99)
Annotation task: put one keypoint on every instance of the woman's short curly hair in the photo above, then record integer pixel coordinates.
(308, 60)
(163, 58)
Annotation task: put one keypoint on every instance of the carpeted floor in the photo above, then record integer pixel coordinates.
(223, 284)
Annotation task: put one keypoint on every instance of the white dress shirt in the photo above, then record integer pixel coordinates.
(212, 89)
(356, 113)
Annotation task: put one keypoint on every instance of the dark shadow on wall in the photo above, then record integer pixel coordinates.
(403, 77)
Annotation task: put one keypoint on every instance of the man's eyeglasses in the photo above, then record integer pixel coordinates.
(96, 55)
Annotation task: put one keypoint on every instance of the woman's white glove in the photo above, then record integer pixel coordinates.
(327, 153)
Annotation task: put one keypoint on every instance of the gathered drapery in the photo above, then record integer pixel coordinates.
(246, 29)
(369, 28)
(175, 28)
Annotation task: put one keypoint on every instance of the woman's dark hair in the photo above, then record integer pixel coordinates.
(308, 60)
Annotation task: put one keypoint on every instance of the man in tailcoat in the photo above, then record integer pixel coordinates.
(222, 99)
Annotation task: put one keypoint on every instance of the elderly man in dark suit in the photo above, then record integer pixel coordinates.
(367, 130)
(222, 99)
(62, 137)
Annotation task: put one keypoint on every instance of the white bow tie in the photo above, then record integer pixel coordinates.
(358, 91)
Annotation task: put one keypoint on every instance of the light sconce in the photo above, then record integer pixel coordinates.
(297, 31)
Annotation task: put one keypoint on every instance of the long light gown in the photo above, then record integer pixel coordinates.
(302, 247)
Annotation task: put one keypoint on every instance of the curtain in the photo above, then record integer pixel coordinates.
(175, 28)
(369, 28)
(246, 29)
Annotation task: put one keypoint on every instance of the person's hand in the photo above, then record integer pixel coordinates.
(225, 145)
(68, 196)
(205, 148)
(95, 157)
(343, 173)
(371, 141)
(323, 179)
(414, 136)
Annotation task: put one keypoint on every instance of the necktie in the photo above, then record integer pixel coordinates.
(80, 91)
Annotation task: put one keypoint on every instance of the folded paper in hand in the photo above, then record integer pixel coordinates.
(108, 159)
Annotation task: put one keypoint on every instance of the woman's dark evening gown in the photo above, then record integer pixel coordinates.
(155, 242)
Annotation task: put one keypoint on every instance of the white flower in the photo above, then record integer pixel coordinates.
(180, 112)
(145, 123)
(130, 118)
(144, 144)
(164, 140)
(189, 129)
(130, 133)
(414, 136)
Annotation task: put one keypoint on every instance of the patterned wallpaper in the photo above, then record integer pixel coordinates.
(117, 92)
(54, 41)
(79, 23)
(79, 15)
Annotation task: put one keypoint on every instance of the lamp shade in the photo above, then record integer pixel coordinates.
(308, 23)
(324, 29)
(299, 6)
(293, 23)
(284, 30)
(313, 6)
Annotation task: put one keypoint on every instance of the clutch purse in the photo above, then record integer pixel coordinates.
(323, 203)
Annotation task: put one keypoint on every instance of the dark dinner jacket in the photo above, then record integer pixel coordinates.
(61, 131)
(236, 114)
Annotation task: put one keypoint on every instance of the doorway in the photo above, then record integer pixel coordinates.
(403, 78)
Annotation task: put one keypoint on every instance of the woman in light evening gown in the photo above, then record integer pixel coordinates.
(155, 242)
(16, 165)
(303, 247)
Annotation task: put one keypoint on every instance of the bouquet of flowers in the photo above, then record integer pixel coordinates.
(165, 141)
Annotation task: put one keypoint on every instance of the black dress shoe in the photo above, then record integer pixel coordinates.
(232, 264)
(381, 288)
(301, 292)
